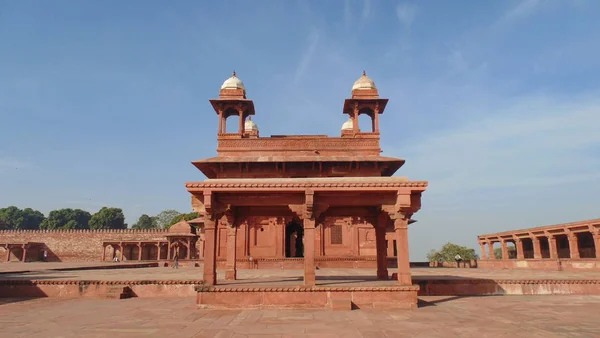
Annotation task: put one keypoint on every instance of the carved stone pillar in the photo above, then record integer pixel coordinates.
(504, 249)
(140, 248)
(380, 243)
(483, 252)
(552, 247)
(24, 253)
(401, 229)
(103, 252)
(491, 253)
(309, 252)
(121, 249)
(210, 253)
(158, 252)
(597, 244)
(390, 247)
(537, 248)
(231, 272)
(573, 246)
(519, 248)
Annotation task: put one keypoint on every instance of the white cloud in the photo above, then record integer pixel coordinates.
(406, 14)
(10, 163)
(522, 10)
(534, 141)
(366, 12)
(313, 41)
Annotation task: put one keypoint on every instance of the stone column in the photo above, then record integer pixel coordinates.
(159, 252)
(401, 229)
(380, 227)
(504, 249)
(492, 254)
(231, 273)
(121, 249)
(241, 124)
(189, 249)
(537, 248)
(8, 253)
(24, 253)
(309, 252)
(519, 248)
(169, 251)
(140, 248)
(210, 254)
(552, 247)
(103, 252)
(573, 246)
(597, 244)
(483, 253)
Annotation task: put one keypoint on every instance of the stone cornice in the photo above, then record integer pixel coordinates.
(302, 185)
(556, 229)
(202, 288)
(100, 282)
(88, 231)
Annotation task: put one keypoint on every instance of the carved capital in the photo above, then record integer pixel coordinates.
(208, 205)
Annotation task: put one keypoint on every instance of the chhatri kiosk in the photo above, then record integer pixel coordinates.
(303, 196)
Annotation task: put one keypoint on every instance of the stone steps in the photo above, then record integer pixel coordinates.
(118, 292)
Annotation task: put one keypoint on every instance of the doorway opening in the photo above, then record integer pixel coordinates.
(294, 234)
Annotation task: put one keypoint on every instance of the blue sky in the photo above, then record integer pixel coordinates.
(495, 103)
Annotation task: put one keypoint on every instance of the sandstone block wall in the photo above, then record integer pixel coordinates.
(74, 245)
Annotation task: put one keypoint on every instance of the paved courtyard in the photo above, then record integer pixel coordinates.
(273, 276)
(508, 316)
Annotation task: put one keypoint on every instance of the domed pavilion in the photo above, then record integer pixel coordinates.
(307, 201)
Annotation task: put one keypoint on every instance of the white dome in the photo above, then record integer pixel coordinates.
(233, 83)
(250, 125)
(348, 125)
(364, 83)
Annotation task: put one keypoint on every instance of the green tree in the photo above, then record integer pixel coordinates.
(145, 222)
(187, 217)
(108, 218)
(449, 251)
(164, 218)
(67, 219)
(512, 252)
(16, 218)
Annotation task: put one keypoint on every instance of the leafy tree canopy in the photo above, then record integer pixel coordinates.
(449, 251)
(108, 218)
(67, 219)
(16, 218)
(164, 218)
(145, 222)
(187, 217)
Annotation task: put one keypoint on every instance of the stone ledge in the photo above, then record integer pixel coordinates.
(100, 282)
(202, 288)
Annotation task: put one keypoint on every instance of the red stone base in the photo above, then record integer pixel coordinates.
(335, 298)
(490, 287)
(563, 264)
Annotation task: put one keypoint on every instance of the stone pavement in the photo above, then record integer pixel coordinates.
(509, 316)
(364, 277)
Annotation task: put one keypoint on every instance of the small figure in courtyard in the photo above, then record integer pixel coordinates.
(458, 259)
(176, 261)
(116, 259)
(45, 256)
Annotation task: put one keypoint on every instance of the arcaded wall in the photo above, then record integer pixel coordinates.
(74, 245)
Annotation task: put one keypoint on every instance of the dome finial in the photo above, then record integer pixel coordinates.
(364, 73)
(234, 74)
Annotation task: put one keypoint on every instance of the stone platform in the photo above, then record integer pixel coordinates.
(46, 280)
(318, 297)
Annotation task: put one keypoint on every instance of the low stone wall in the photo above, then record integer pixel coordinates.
(95, 289)
(74, 245)
(487, 287)
(591, 264)
(215, 297)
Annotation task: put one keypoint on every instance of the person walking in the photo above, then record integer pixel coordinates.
(458, 259)
(176, 261)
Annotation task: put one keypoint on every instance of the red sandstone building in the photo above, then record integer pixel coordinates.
(569, 246)
(293, 201)
(311, 199)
